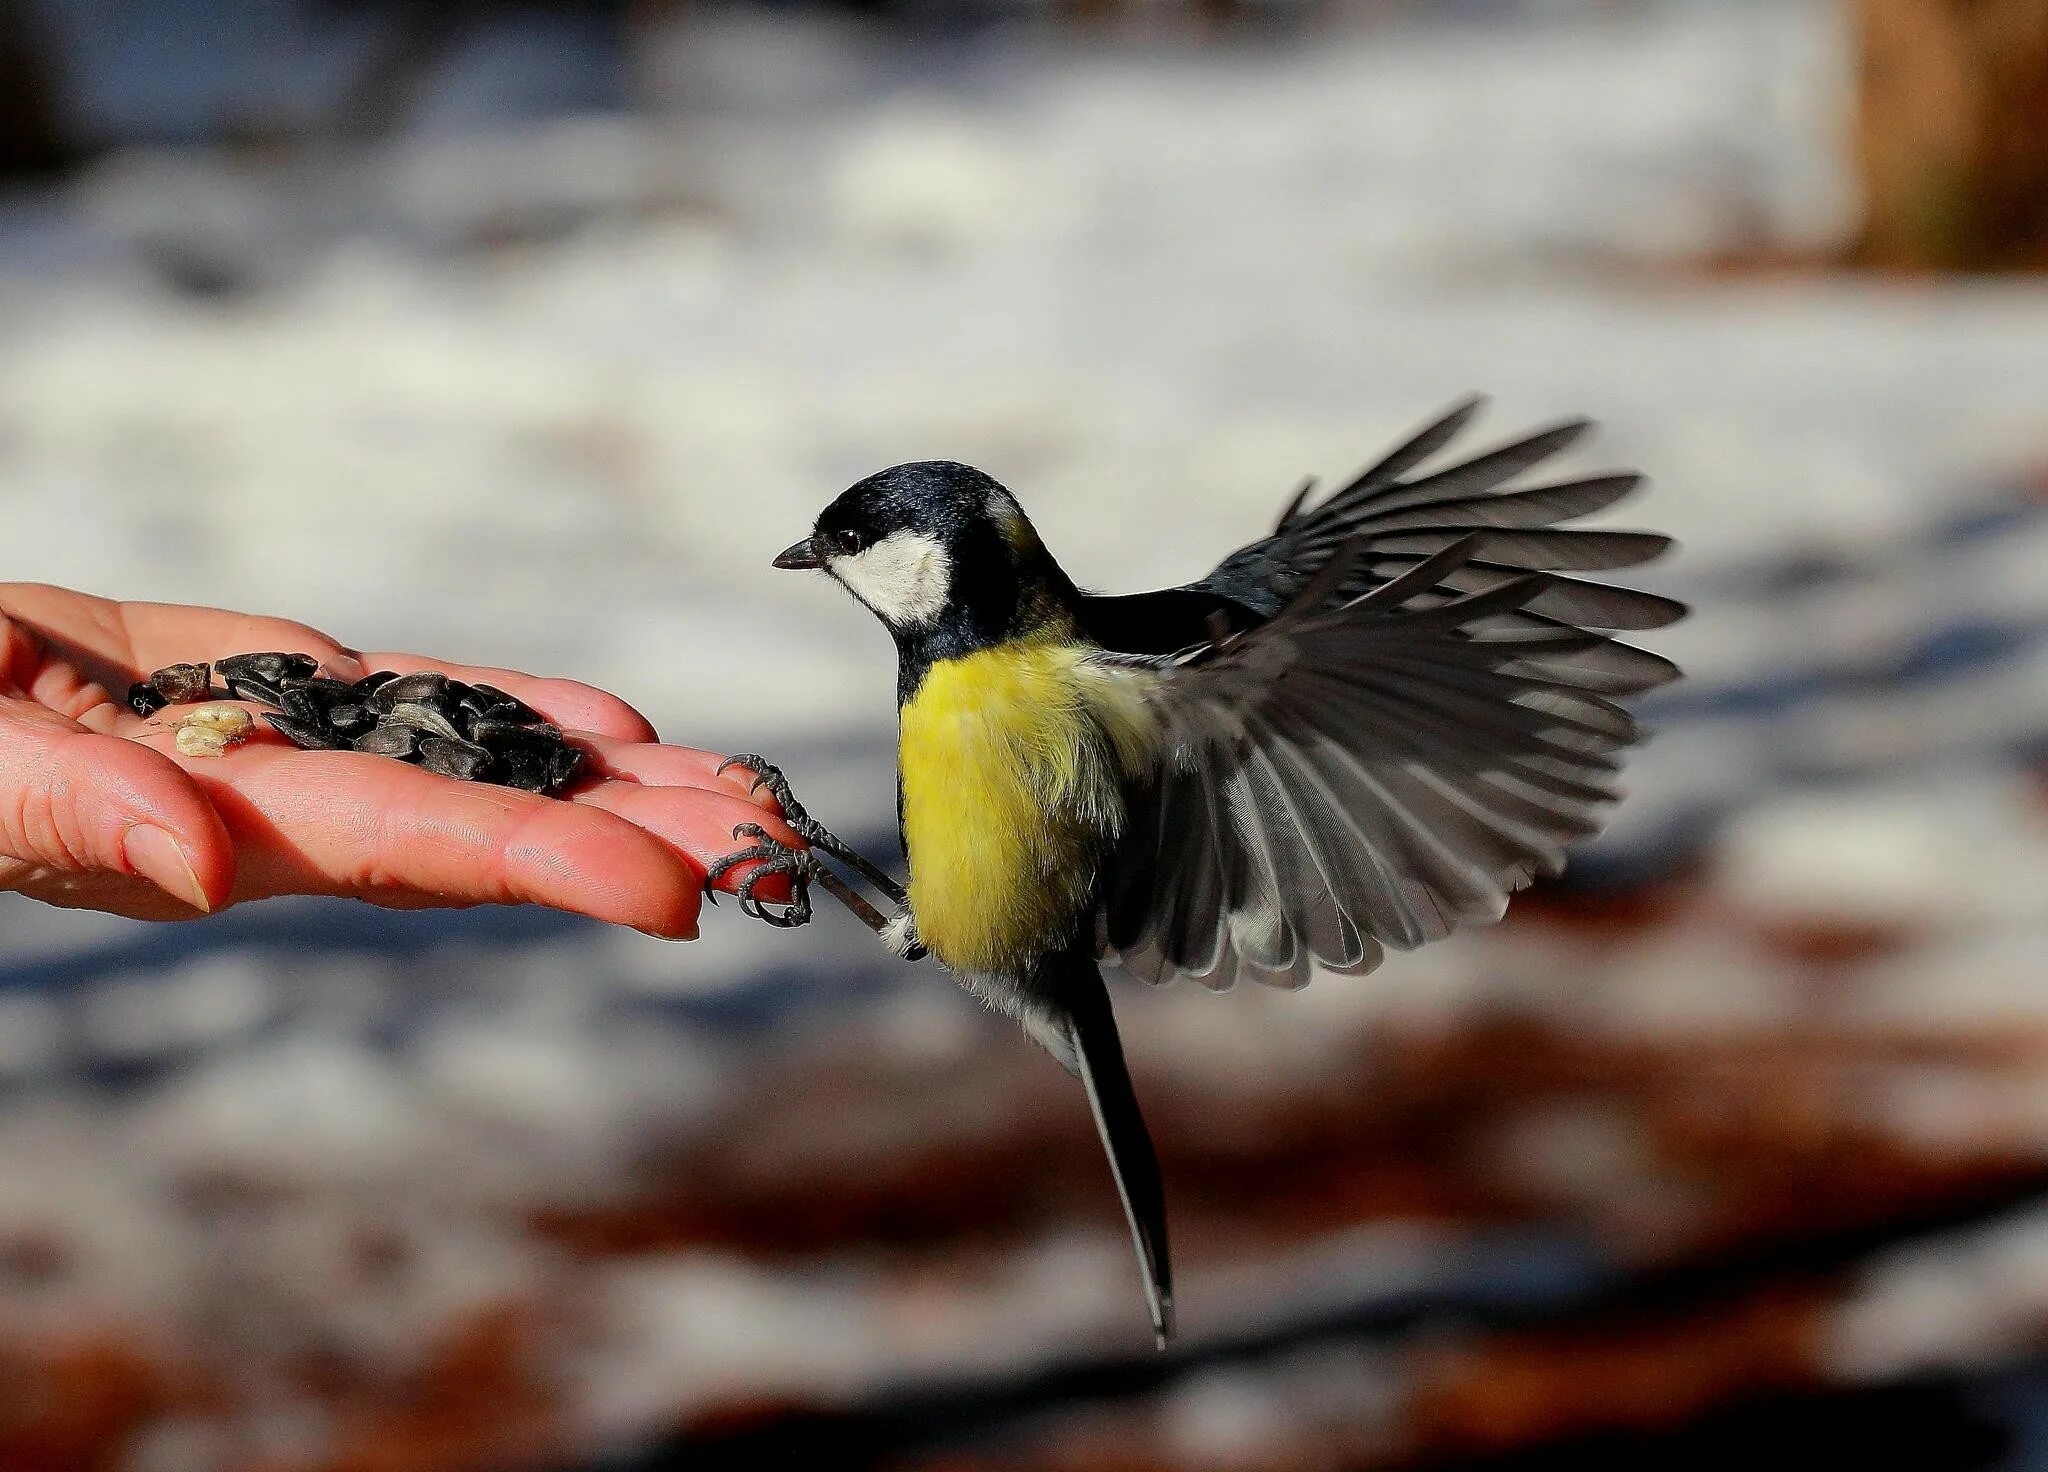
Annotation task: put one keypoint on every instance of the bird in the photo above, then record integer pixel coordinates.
(1357, 733)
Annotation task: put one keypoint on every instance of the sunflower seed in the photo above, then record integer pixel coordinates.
(420, 685)
(374, 681)
(474, 707)
(351, 719)
(302, 704)
(504, 707)
(326, 691)
(565, 765)
(462, 760)
(424, 717)
(145, 699)
(179, 683)
(304, 734)
(247, 687)
(402, 742)
(524, 769)
(270, 668)
(506, 735)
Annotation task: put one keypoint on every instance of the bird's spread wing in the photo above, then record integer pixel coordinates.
(1396, 523)
(1419, 726)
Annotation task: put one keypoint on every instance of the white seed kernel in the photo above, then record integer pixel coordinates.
(230, 720)
(204, 741)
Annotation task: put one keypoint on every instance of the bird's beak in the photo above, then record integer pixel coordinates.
(800, 557)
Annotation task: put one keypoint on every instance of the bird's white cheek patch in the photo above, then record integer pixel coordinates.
(906, 577)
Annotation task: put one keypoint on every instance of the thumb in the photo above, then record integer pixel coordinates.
(75, 803)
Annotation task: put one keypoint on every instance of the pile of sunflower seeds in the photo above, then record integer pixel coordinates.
(474, 733)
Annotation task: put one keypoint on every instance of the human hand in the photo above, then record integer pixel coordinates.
(99, 811)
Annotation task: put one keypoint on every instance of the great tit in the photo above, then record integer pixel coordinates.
(1360, 731)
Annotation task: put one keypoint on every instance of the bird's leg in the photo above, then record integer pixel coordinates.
(895, 930)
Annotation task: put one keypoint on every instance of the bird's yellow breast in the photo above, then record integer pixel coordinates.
(1012, 761)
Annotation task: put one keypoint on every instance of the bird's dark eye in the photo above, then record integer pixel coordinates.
(846, 542)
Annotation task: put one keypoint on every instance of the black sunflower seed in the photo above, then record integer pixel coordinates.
(304, 734)
(327, 692)
(302, 704)
(145, 699)
(523, 768)
(402, 742)
(369, 684)
(505, 735)
(351, 719)
(423, 716)
(245, 687)
(181, 683)
(463, 760)
(270, 668)
(427, 686)
(506, 707)
(565, 765)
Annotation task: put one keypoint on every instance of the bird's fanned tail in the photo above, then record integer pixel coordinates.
(1075, 984)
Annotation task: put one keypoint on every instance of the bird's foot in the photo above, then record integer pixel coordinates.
(775, 857)
(805, 868)
(768, 776)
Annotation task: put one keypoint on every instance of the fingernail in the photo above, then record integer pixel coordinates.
(689, 933)
(345, 666)
(155, 855)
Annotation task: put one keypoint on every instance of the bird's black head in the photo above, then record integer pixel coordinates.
(940, 553)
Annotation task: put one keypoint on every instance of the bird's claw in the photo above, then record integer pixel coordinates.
(775, 857)
(769, 776)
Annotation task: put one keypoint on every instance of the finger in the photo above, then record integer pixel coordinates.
(698, 823)
(20, 654)
(340, 822)
(672, 766)
(54, 684)
(128, 640)
(568, 703)
(91, 804)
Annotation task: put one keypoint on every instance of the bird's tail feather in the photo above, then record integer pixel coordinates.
(1099, 1063)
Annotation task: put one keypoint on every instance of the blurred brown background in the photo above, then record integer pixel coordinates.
(527, 333)
(1949, 136)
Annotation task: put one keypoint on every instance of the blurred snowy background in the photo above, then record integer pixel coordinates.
(526, 334)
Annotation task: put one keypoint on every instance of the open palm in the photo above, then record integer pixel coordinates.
(98, 809)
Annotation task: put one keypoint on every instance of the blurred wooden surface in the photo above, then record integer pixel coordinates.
(1952, 133)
